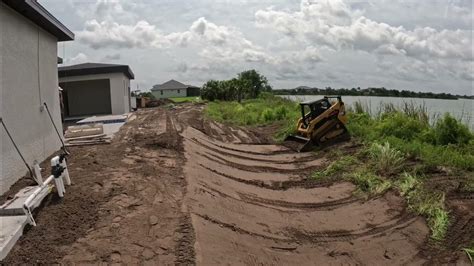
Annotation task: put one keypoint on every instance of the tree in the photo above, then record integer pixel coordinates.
(248, 84)
(253, 83)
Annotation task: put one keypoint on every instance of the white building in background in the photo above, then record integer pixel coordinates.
(95, 89)
(28, 78)
(174, 89)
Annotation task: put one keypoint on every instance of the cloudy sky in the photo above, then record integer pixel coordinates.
(421, 45)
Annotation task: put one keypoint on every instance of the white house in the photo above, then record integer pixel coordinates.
(173, 89)
(28, 78)
(95, 89)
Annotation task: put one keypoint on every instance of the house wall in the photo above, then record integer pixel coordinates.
(86, 97)
(119, 89)
(28, 77)
(169, 93)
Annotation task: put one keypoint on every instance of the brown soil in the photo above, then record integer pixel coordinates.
(175, 188)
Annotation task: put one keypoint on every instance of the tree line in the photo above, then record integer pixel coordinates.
(247, 85)
(368, 92)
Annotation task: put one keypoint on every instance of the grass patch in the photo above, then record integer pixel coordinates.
(368, 184)
(335, 167)
(428, 204)
(255, 112)
(185, 99)
(444, 142)
(386, 159)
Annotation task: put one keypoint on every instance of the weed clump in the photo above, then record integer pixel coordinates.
(387, 160)
(335, 167)
(369, 183)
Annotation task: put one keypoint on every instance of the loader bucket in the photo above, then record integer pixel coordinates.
(298, 143)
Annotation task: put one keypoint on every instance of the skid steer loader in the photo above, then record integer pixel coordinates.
(322, 123)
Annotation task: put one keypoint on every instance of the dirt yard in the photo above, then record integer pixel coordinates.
(174, 188)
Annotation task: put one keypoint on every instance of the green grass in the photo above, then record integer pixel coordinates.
(386, 159)
(445, 142)
(469, 253)
(426, 203)
(186, 99)
(368, 183)
(255, 112)
(339, 166)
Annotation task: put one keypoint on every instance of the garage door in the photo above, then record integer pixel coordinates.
(90, 97)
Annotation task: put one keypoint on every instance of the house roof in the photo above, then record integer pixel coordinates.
(171, 85)
(35, 12)
(93, 69)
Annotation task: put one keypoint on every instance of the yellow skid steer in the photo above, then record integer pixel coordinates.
(322, 123)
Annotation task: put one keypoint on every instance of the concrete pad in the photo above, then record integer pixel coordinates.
(106, 119)
(111, 129)
(11, 230)
(11, 227)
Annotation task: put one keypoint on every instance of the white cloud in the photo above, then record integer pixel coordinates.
(116, 56)
(334, 24)
(218, 43)
(420, 45)
(77, 59)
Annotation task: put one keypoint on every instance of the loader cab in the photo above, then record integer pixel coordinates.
(310, 110)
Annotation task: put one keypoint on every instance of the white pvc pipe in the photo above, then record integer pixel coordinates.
(59, 180)
(38, 176)
(66, 173)
(33, 195)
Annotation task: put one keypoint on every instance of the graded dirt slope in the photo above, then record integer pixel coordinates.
(175, 188)
(240, 216)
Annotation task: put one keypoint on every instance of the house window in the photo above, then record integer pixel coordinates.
(178, 92)
(161, 92)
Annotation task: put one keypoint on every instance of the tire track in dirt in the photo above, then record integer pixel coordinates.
(227, 153)
(274, 185)
(243, 209)
(297, 236)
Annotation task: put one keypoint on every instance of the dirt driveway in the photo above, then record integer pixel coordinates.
(174, 188)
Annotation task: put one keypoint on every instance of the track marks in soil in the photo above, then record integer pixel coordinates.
(240, 194)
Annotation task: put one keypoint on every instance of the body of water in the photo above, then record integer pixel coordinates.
(461, 108)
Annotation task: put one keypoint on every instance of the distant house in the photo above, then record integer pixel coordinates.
(173, 89)
(29, 37)
(95, 89)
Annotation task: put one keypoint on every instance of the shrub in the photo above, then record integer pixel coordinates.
(448, 130)
(387, 159)
(401, 126)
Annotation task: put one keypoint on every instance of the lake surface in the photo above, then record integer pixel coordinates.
(461, 108)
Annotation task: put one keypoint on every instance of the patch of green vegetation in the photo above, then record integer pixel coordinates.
(469, 253)
(428, 204)
(335, 167)
(263, 110)
(446, 142)
(368, 183)
(468, 185)
(185, 99)
(386, 159)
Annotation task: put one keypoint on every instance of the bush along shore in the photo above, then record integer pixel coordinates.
(400, 149)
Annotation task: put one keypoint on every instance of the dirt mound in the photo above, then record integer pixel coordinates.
(158, 102)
